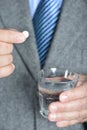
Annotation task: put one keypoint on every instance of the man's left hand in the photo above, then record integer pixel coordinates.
(71, 107)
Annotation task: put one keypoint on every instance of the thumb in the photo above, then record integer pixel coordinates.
(75, 93)
(13, 36)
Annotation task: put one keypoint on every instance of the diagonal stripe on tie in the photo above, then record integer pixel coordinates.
(44, 21)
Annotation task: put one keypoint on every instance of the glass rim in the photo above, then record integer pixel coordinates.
(66, 73)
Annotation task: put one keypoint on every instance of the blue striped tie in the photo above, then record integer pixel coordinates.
(44, 21)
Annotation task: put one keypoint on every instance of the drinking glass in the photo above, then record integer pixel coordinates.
(52, 82)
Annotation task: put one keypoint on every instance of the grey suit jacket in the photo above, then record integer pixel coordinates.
(18, 100)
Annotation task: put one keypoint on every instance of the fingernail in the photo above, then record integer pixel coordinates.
(20, 38)
(63, 97)
(26, 34)
(52, 117)
(53, 108)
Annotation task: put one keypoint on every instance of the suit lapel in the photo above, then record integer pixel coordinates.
(18, 17)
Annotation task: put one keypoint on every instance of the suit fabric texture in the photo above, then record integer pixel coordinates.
(18, 100)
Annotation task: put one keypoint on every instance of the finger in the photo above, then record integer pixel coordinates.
(74, 115)
(5, 60)
(73, 94)
(5, 48)
(69, 123)
(75, 105)
(66, 123)
(11, 36)
(7, 70)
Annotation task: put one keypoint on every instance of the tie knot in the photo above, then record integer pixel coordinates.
(49, 3)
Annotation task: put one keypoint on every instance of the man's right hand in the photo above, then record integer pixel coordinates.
(7, 38)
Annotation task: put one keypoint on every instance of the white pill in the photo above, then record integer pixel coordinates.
(26, 34)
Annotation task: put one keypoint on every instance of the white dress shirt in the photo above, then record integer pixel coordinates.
(33, 5)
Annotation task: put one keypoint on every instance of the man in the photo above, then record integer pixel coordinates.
(18, 102)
